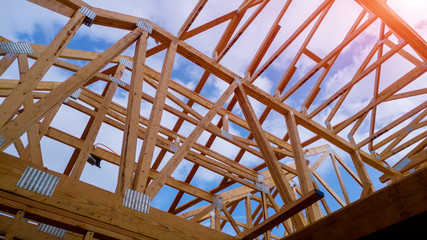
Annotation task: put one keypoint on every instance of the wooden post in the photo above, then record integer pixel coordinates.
(128, 153)
(279, 178)
(147, 150)
(248, 211)
(11, 230)
(5, 63)
(98, 119)
(217, 219)
(267, 234)
(304, 179)
(340, 180)
(367, 186)
(35, 154)
(88, 235)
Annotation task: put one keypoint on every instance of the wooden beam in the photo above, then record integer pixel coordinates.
(340, 180)
(267, 234)
(37, 71)
(280, 179)
(301, 164)
(35, 154)
(367, 186)
(105, 211)
(290, 40)
(88, 235)
(271, 35)
(173, 163)
(98, 119)
(316, 128)
(11, 230)
(392, 204)
(30, 231)
(147, 151)
(208, 25)
(231, 220)
(5, 63)
(132, 116)
(286, 212)
(191, 17)
(397, 24)
(15, 128)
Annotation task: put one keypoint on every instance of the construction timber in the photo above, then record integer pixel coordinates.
(283, 197)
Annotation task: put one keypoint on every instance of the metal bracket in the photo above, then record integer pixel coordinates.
(125, 62)
(262, 187)
(226, 134)
(90, 16)
(145, 26)
(174, 148)
(424, 64)
(350, 137)
(51, 230)
(276, 94)
(74, 96)
(251, 196)
(238, 80)
(409, 128)
(380, 41)
(304, 110)
(217, 202)
(312, 177)
(327, 124)
(38, 181)
(119, 82)
(402, 164)
(137, 201)
(292, 185)
(261, 178)
(2, 140)
(331, 152)
(16, 48)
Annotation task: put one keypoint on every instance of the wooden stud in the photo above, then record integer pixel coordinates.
(88, 235)
(132, 116)
(11, 230)
(98, 119)
(301, 165)
(280, 180)
(147, 150)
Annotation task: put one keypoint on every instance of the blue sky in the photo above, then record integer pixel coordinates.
(39, 25)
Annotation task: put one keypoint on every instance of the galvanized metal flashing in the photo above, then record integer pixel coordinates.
(137, 201)
(37, 181)
(51, 230)
(16, 48)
